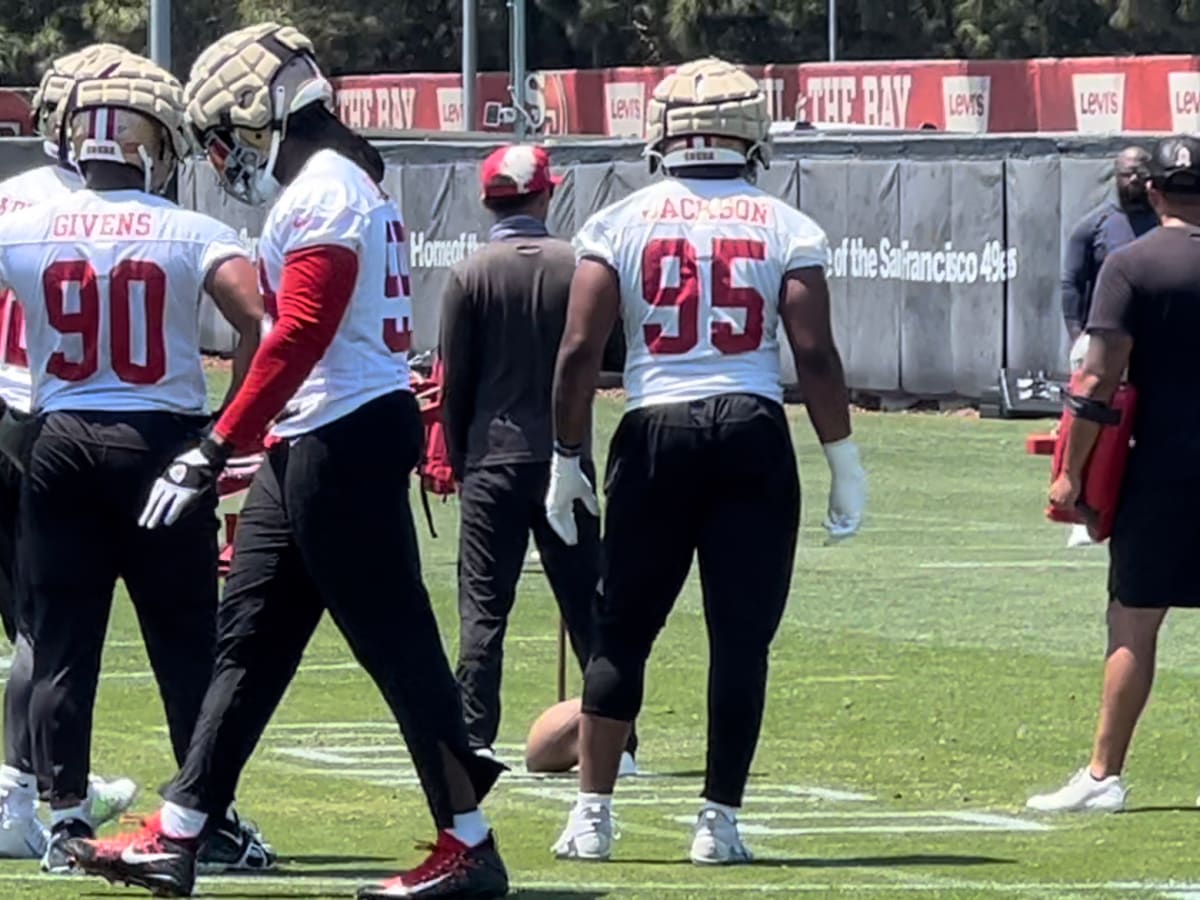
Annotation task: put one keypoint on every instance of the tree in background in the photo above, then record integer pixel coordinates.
(359, 36)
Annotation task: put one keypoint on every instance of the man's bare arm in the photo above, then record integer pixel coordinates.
(592, 310)
(233, 285)
(804, 308)
(1106, 360)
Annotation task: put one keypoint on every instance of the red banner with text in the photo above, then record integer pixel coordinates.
(1097, 95)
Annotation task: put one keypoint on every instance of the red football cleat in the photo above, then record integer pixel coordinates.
(145, 858)
(452, 869)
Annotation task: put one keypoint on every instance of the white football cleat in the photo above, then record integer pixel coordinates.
(716, 840)
(588, 835)
(22, 835)
(1083, 793)
(628, 765)
(106, 800)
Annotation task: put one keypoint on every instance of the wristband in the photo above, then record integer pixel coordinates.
(1092, 410)
(570, 451)
(216, 454)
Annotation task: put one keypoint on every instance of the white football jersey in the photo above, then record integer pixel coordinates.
(19, 192)
(701, 265)
(334, 202)
(111, 284)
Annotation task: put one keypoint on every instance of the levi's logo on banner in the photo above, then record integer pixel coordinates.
(966, 100)
(450, 109)
(625, 108)
(1185, 100)
(1099, 102)
(861, 99)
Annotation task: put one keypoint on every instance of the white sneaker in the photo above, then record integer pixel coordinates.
(716, 841)
(106, 800)
(628, 765)
(1079, 537)
(1083, 793)
(588, 835)
(22, 835)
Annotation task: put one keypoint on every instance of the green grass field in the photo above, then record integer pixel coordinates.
(929, 675)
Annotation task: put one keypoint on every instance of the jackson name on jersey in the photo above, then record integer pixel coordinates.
(20, 192)
(333, 202)
(111, 283)
(700, 264)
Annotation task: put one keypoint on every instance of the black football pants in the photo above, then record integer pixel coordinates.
(500, 506)
(327, 527)
(18, 690)
(87, 480)
(717, 479)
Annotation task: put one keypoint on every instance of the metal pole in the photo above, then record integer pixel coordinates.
(516, 25)
(160, 32)
(831, 6)
(469, 60)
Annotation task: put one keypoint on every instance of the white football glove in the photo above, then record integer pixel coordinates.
(848, 489)
(568, 484)
(187, 477)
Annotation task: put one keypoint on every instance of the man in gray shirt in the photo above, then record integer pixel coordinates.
(503, 314)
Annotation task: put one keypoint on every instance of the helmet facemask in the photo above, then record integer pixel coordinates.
(240, 96)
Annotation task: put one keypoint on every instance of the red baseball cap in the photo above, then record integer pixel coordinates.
(515, 170)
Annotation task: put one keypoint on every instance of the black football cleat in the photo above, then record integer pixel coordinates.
(452, 869)
(146, 858)
(234, 845)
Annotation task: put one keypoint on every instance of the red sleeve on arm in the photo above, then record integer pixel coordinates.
(314, 293)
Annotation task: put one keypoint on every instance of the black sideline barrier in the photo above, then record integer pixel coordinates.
(945, 250)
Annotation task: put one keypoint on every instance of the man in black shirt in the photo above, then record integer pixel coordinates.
(503, 315)
(1144, 319)
(1106, 228)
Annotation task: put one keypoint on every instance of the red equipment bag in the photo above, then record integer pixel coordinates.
(1105, 469)
(435, 471)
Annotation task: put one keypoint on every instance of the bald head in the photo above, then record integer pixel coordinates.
(1132, 170)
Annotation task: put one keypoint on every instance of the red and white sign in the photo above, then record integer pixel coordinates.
(1185, 101)
(1099, 102)
(450, 109)
(967, 100)
(1081, 95)
(625, 108)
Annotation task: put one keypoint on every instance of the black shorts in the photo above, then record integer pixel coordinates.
(714, 478)
(1154, 545)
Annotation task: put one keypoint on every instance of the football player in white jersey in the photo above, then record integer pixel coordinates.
(326, 525)
(22, 835)
(702, 267)
(111, 279)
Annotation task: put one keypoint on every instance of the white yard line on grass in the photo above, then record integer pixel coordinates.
(1055, 563)
(697, 886)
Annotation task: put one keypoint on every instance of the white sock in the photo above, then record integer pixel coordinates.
(58, 816)
(730, 812)
(471, 828)
(586, 799)
(181, 822)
